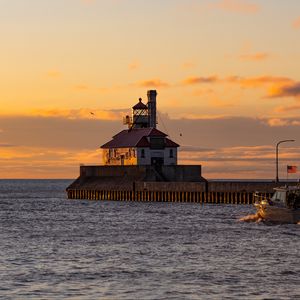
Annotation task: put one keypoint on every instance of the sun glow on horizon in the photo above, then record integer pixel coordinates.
(70, 71)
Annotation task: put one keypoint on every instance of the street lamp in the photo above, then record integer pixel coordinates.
(280, 142)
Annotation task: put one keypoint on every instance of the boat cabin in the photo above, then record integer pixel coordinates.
(287, 196)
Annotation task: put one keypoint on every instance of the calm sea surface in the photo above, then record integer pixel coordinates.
(54, 248)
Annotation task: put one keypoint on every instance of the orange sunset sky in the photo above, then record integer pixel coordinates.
(227, 73)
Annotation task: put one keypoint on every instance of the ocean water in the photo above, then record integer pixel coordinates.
(54, 248)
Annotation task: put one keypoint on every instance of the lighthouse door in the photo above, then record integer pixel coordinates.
(157, 161)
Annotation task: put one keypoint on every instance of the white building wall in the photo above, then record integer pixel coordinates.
(146, 160)
(149, 153)
(170, 160)
(133, 156)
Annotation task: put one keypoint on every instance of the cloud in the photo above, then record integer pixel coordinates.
(200, 80)
(224, 162)
(202, 92)
(249, 162)
(225, 146)
(73, 114)
(230, 131)
(4, 145)
(81, 87)
(54, 74)
(188, 65)
(83, 113)
(291, 89)
(235, 6)
(287, 108)
(190, 148)
(152, 83)
(42, 162)
(134, 66)
(276, 122)
(260, 56)
(217, 102)
(258, 81)
(274, 86)
(102, 90)
(58, 132)
(53, 130)
(296, 23)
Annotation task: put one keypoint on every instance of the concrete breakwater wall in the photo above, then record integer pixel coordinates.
(167, 196)
(243, 186)
(168, 173)
(211, 186)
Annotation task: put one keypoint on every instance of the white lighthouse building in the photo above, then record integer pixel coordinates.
(142, 143)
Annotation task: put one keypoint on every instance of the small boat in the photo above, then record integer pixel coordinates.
(283, 207)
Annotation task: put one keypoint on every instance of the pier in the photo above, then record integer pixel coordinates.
(140, 163)
(246, 198)
(182, 184)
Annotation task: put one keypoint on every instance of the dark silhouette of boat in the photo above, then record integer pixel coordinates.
(283, 207)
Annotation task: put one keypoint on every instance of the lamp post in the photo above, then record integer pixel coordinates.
(280, 142)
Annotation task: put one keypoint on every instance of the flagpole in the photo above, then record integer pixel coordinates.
(280, 142)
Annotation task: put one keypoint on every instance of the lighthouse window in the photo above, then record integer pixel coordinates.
(143, 153)
(171, 153)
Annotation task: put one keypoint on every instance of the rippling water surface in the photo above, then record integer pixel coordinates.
(54, 248)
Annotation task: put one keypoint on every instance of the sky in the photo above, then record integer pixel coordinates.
(227, 73)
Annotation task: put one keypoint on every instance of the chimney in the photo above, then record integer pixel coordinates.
(152, 108)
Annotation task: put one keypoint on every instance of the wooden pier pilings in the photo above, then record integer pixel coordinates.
(166, 196)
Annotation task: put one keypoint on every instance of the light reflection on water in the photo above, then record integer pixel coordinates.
(54, 248)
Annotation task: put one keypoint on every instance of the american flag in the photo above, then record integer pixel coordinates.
(291, 169)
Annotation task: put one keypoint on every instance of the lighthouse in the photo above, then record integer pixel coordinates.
(141, 143)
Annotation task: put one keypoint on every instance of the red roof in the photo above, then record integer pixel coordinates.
(170, 143)
(140, 105)
(143, 143)
(136, 138)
